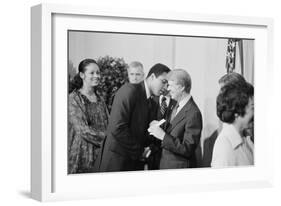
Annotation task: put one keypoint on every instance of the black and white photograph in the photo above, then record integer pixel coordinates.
(146, 101)
(140, 102)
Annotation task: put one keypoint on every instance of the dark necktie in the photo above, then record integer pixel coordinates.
(150, 102)
(163, 106)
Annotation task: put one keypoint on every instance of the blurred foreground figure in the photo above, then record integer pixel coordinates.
(235, 108)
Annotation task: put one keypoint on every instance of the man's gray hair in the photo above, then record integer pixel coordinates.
(181, 77)
(135, 64)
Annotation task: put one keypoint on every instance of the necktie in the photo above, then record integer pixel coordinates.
(163, 106)
(149, 102)
(174, 112)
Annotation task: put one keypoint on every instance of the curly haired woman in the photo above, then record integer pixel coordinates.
(235, 108)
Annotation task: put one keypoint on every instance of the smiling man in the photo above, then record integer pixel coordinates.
(182, 135)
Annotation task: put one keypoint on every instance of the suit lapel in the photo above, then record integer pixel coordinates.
(142, 91)
(169, 110)
(181, 115)
(145, 102)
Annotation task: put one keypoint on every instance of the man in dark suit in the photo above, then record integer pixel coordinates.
(132, 110)
(182, 134)
(165, 105)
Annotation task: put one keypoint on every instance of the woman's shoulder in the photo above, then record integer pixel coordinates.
(74, 96)
(222, 154)
(222, 142)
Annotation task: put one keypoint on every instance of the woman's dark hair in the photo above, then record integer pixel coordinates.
(232, 78)
(77, 82)
(232, 100)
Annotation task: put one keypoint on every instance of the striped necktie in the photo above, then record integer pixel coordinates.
(163, 106)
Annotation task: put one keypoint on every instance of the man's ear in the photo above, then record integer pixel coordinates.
(152, 76)
(182, 89)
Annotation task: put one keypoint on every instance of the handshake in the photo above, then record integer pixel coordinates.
(155, 130)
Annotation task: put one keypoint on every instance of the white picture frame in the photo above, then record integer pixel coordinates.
(49, 182)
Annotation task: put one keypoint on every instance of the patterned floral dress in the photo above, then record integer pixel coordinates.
(87, 122)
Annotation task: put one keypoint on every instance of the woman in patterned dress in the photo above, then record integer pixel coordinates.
(87, 119)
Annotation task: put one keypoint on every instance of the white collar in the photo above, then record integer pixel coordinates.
(147, 90)
(184, 101)
(167, 99)
(232, 135)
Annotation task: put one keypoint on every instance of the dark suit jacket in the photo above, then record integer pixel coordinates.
(153, 160)
(127, 129)
(208, 147)
(182, 138)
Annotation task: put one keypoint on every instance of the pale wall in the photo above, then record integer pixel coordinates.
(146, 49)
(203, 58)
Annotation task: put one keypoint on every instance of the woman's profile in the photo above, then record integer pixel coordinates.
(235, 108)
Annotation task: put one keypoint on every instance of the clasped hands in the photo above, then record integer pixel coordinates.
(155, 129)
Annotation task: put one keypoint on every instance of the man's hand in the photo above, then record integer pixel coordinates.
(156, 131)
(154, 122)
(158, 123)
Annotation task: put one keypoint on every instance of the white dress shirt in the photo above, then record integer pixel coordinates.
(148, 95)
(231, 149)
(182, 103)
(167, 99)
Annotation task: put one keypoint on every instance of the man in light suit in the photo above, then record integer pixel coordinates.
(182, 134)
(132, 110)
